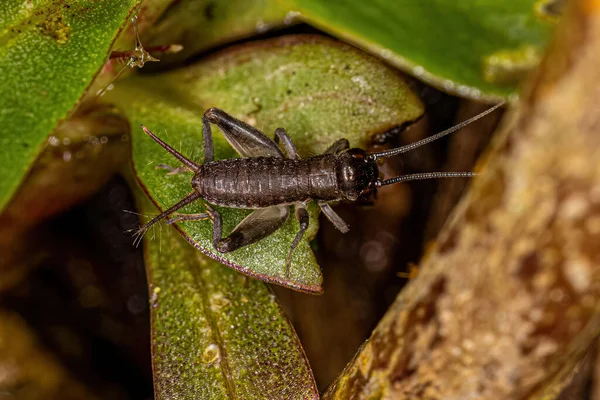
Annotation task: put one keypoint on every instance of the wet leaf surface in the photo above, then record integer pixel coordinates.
(474, 49)
(216, 333)
(318, 89)
(49, 53)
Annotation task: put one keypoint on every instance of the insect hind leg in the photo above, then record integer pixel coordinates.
(256, 226)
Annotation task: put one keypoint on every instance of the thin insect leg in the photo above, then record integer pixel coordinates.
(288, 144)
(188, 217)
(140, 55)
(209, 152)
(101, 92)
(217, 224)
(335, 219)
(173, 170)
(138, 42)
(302, 217)
(186, 200)
(337, 146)
(187, 162)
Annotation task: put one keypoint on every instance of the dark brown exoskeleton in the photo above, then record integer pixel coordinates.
(267, 181)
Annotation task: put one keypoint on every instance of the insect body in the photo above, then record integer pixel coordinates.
(269, 181)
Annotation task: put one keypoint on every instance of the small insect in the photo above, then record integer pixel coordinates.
(137, 57)
(268, 181)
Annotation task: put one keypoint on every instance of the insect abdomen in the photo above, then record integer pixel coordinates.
(266, 181)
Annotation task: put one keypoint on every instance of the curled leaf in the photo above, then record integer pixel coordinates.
(445, 43)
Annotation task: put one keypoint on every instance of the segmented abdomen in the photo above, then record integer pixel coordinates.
(266, 181)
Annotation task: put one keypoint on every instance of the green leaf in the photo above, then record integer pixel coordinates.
(49, 53)
(217, 334)
(471, 48)
(320, 90)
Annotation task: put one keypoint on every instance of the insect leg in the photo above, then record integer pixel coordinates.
(288, 145)
(245, 139)
(256, 226)
(335, 219)
(302, 217)
(209, 151)
(337, 146)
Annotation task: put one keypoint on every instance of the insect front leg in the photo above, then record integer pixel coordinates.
(335, 219)
(302, 217)
(282, 136)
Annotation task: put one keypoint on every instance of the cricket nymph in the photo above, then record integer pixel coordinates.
(261, 182)
(268, 181)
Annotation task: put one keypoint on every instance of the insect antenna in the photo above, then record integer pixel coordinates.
(412, 146)
(425, 175)
(139, 234)
(187, 162)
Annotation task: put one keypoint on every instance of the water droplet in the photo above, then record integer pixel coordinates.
(210, 355)
(154, 296)
(418, 71)
(448, 84)
(291, 17)
(103, 140)
(67, 156)
(360, 81)
(53, 141)
(261, 26)
(386, 54)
